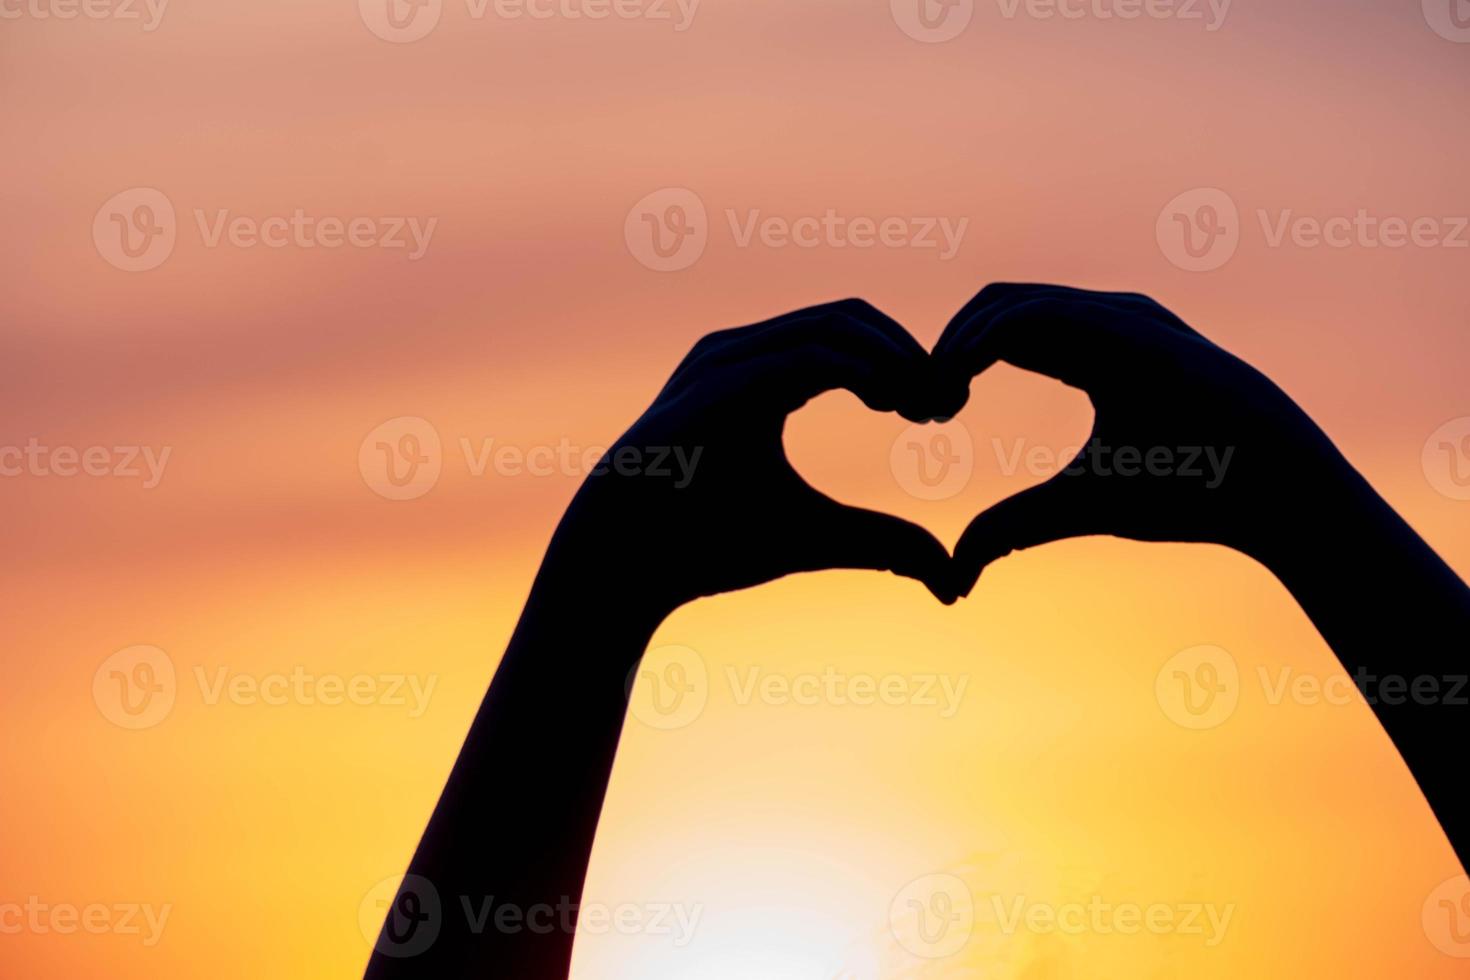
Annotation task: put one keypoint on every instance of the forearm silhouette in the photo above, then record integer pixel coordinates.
(517, 817)
(1382, 599)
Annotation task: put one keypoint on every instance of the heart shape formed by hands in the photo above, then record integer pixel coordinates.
(1166, 400)
(640, 539)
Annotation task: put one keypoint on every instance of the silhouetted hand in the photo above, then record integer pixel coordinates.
(698, 497)
(1189, 442)
(1277, 490)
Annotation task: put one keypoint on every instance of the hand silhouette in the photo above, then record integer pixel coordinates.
(696, 498)
(726, 510)
(1189, 442)
(1272, 485)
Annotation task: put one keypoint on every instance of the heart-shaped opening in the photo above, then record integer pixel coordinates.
(1017, 430)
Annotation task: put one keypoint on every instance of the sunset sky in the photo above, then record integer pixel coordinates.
(367, 228)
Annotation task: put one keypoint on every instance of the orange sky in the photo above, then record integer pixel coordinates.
(518, 146)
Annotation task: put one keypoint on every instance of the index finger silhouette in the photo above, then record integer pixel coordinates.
(1080, 342)
(1066, 506)
(781, 364)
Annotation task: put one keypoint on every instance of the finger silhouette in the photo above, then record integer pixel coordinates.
(1080, 342)
(741, 384)
(1066, 506)
(835, 535)
(776, 366)
(1139, 365)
